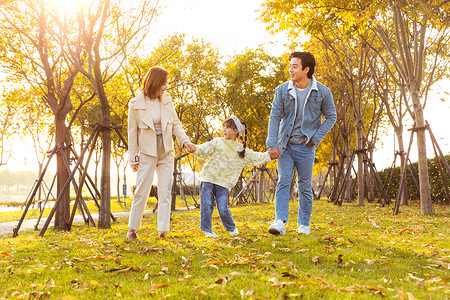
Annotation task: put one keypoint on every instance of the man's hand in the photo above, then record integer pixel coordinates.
(274, 153)
(189, 147)
(134, 167)
(310, 143)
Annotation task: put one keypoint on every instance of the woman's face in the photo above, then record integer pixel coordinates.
(162, 89)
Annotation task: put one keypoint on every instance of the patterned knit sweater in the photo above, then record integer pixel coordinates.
(224, 165)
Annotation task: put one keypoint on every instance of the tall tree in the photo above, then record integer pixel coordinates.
(417, 41)
(332, 38)
(109, 31)
(414, 34)
(393, 96)
(33, 54)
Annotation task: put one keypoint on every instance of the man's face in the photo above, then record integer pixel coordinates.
(296, 70)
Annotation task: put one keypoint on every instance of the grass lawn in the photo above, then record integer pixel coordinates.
(352, 253)
(34, 212)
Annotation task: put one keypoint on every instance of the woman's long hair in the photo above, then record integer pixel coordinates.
(155, 78)
(230, 123)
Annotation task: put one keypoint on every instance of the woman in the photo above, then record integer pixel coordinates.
(152, 120)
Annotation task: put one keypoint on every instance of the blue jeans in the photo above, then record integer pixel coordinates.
(209, 191)
(302, 157)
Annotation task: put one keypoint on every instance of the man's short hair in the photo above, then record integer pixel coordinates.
(307, 59)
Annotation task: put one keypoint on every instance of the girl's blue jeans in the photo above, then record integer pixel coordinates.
(209, 192)
(301, 157)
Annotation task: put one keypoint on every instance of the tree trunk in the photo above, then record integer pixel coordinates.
(118, 182)
(104, 218)
(402, 153)
(347, 181)
(97, 162)
(182, 195)
(360, 154)
(261, 196)
(39, 176)
(333, 174)
(369, 181)
(424, 182)
(62, 213)
(82, 134)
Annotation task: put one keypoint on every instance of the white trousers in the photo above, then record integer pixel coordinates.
(163, 164)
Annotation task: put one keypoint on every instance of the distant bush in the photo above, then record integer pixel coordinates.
(188, 190)
(438, 193)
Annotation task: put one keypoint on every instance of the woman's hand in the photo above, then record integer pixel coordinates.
(189, 147)
(134, 167)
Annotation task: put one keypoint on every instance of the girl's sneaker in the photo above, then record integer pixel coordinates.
(234, 232)
(302, 229)
(211, 235)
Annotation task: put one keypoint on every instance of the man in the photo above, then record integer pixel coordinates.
(295, 129)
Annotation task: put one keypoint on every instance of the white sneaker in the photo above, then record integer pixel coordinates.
(302, 229)
(211, 235)
(234, 232)
(277, 227)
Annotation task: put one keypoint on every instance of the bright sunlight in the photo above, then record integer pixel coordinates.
(69, 6)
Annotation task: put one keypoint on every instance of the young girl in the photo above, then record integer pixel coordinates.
(226, 159)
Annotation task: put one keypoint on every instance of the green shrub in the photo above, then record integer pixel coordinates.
(438, 193)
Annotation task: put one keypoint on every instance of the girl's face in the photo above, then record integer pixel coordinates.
(162, 89)
(229, 133)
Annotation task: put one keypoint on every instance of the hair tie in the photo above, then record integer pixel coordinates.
(238, 124)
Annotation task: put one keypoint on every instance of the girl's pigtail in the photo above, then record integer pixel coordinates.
(242, 153)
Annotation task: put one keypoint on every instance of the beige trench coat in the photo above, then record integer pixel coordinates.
(141, 130)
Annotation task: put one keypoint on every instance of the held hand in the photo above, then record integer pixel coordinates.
(274, 153)
(189, 147)
(134, 167)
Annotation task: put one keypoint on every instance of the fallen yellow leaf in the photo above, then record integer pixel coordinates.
(436, 279)
(212, 262)
(371, 287)
(159, 285)
(410, 296)
(79, 259)
(305, 282)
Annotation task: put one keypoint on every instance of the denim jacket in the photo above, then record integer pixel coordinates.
(284, 111)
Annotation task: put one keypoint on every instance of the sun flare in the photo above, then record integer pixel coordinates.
(70, 6)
